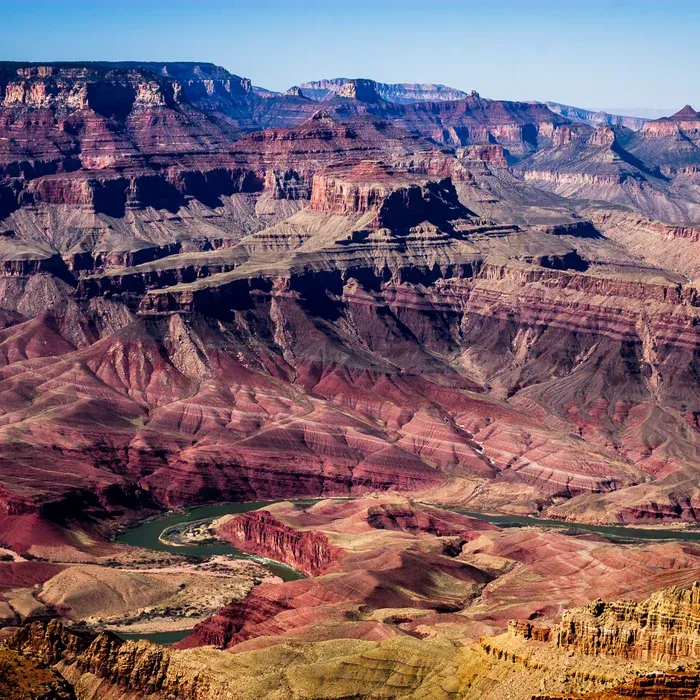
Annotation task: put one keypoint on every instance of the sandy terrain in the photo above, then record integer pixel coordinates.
(7, 614)
(155, 599)
(24, 603)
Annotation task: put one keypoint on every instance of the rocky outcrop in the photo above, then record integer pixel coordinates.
(666, 627)
(112, 92)
(663, 629)
(397, 200)
(685, 120)
(529, 630)
(129, 666)
(494, 156)
(360, 89)
(22, 678)
(659, 685)
(51, 642)
(260, 533)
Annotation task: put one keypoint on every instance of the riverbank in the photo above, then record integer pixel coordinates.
(151, 599)
(195, 534)
(614, 532)
(200, 542)
(192, 533)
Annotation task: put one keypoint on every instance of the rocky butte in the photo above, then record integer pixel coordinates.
(376, 296)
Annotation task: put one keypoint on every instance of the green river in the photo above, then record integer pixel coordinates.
(147, 535)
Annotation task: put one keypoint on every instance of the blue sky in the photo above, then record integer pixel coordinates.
(585, 52)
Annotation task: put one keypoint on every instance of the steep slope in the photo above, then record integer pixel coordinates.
(605, 165)
(673, 142)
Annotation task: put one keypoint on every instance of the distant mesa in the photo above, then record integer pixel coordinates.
(295, 91)
(264, 92)
(361, 89)
(597, 118)
(398, 93)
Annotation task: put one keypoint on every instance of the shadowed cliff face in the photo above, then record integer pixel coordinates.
(400, 93)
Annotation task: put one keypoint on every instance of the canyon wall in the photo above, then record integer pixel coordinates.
(664, 628)
(260, 533)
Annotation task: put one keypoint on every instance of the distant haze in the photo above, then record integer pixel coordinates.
(638, 111)
(637, 52)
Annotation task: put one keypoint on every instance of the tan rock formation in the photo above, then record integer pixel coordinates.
(666, 627)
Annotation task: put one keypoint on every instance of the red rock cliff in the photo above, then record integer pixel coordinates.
(260, 533)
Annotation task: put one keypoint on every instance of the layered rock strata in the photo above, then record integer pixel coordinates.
(666, 627)
(260, 533)
(335, 304)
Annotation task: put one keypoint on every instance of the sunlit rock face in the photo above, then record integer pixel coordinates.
(662, 628)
